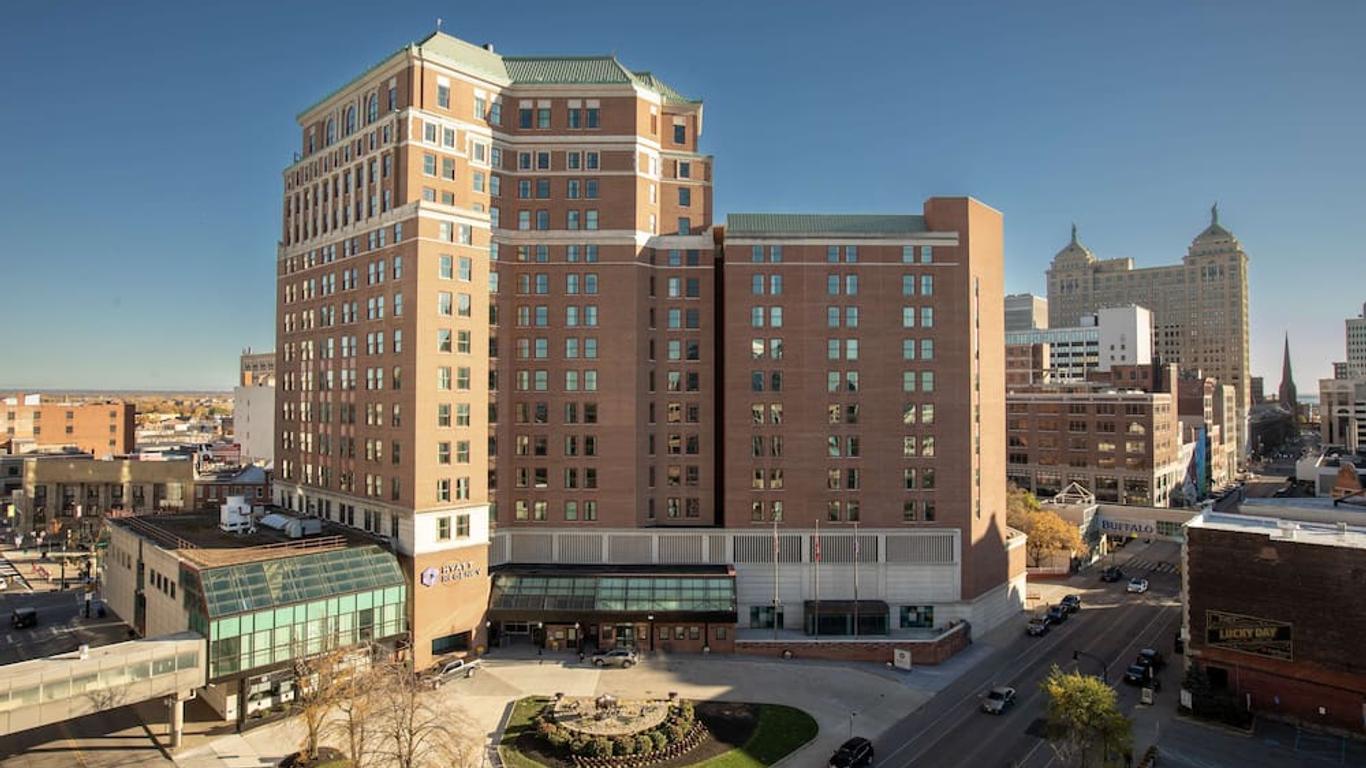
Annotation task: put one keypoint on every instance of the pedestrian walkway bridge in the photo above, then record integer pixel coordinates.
(44, 691)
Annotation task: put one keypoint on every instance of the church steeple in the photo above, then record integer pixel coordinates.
(1287, 396)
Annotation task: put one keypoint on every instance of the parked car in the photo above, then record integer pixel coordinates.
(617, 657)
(854, 753)
(1057, 614)
(24, 617)
(1037, 626)
(1140, 674)
(450, 671)
(1071, 602)
(1138, 585)
(998, 700)
(1151, 657)
(1111, 575)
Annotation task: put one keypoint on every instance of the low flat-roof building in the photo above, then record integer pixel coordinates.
(260, 598)
(1272, 615)
(57, 492)
(31, 422)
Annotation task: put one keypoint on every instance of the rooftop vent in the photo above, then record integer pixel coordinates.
(488, 47)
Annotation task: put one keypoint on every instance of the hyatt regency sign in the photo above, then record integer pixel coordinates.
(1249, 634)
(448, 572)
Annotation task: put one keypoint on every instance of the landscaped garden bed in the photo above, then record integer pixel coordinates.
(606, 733)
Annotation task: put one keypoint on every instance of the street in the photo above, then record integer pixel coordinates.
(1112, 625)
(102, 740)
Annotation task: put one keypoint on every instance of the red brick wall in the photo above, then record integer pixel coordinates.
(922, 651)
(1313, 588)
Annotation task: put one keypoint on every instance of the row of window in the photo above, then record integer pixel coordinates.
(910, 254)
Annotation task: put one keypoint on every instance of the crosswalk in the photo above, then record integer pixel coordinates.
(10, 573)
(1151, 566)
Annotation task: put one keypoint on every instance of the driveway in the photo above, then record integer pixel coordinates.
(838, 696)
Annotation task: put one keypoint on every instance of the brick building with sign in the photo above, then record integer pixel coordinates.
(1273, 615)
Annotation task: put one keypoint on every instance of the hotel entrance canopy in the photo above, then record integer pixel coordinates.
(608, 593)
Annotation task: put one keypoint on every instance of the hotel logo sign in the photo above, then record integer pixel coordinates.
(1249, 634)
(448, 573)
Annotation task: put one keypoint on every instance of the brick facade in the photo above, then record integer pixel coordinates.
(1312, 587)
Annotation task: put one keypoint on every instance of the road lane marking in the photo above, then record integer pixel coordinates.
(1035, 649)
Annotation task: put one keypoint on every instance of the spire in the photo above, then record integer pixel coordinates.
(1214, 215)
(1074, 233)
(1287, 396)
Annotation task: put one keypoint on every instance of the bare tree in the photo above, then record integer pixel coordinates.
(319, 681)
(359, 700)
(418, 730)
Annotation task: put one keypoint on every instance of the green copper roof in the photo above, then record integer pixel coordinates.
(565, 69)
(526, 70)
(469, 56)
(807, 224)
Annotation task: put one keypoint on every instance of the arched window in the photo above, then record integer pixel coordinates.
(350, 121)
(372, 110)
(331, 132)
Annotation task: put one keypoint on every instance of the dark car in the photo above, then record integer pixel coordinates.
(1140, 674)
(1111, 575)
(1037, 626)
(854, 753)
(24, 617)
(1071, 602)
(1149, 657)
(1057, 614)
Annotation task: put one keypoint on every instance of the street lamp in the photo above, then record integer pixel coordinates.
(1104, 667)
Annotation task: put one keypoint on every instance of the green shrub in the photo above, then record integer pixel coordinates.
(686, 712)
(675, 733)
(660, 739)
(599, 746)
(624, 745)
(579, 745)
(557, 738)
(644, 744)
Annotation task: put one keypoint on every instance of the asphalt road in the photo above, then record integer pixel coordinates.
(1112, 625)
(102, 740)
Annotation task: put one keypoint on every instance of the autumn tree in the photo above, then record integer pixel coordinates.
(1047, 533)
(1085, 726)
(417, 730)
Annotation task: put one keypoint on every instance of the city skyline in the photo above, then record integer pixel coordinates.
(1165, 130)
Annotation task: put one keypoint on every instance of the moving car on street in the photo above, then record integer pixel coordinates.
(1072, 603)
(1057, 614)
(1111, 575)
(24, 617)
(854, 753)
(998, 700)
(1037, 626)
(617, 657)
(1137, 585)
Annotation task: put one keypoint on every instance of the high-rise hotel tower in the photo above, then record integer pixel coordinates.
(510, 336)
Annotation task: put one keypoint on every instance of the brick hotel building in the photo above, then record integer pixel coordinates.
(511, 341)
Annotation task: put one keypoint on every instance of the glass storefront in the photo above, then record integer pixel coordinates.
(270, 612)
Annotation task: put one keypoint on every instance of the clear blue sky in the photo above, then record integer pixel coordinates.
(141, 181)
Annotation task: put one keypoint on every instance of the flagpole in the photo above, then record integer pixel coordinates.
(816, 624)
(855, 578)
(775, 578)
